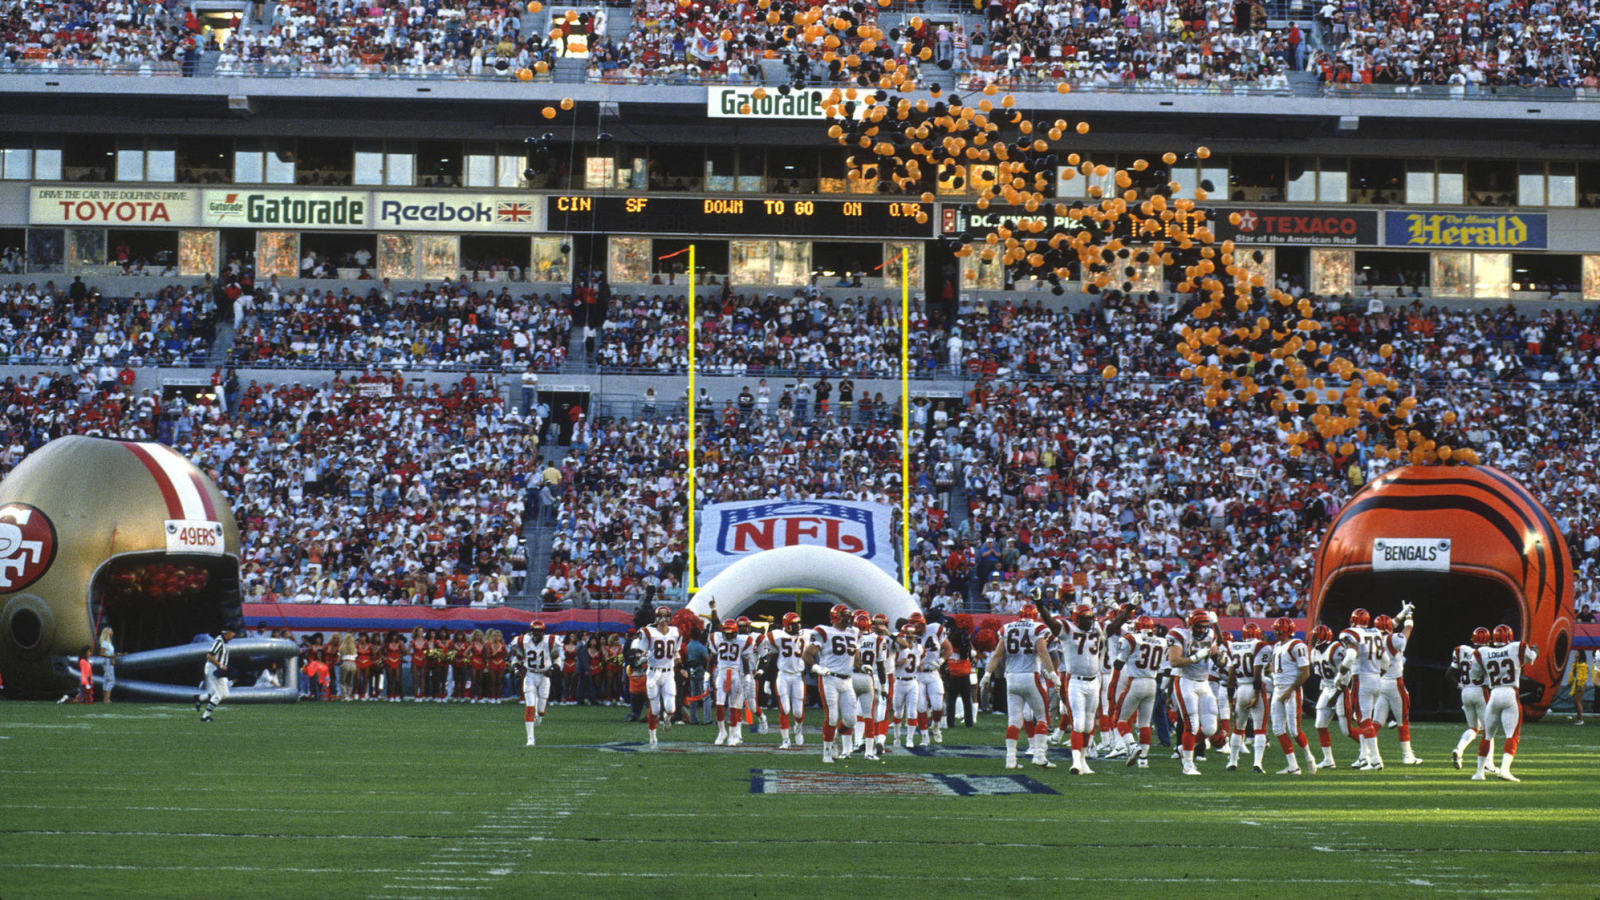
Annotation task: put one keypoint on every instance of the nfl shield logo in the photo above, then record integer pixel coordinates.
(768, 526)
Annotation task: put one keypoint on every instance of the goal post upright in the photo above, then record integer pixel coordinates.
(690, 581)
(905, 418)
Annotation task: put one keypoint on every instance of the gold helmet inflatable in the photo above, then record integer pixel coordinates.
(97, 532)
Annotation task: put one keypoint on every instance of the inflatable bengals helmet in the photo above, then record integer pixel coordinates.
(1475, 548)
(97, 532)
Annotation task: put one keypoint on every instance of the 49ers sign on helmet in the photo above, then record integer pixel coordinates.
(27, 545)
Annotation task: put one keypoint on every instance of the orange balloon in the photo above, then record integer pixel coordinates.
(566, 102)
(549, 112)
(1109, 372)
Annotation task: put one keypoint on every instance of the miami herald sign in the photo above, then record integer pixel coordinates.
(731, 531)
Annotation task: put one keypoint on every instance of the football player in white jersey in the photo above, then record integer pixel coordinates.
(871, 648)
(1366, 669)
(734, 654)
(1112, 742)
(662, 646)
(1248, 661)
(906, 695)
(790, 645)
(1081, 640)
(936, 649)
(1474, 695)
(830, 654)
(1393, 699)
(1290, 668)
(1327, 655)
(753, 711)
(1136, 668)
(1500, 666)
(538, 654)
(882, 666)
(1025, 652)
(1191, 650)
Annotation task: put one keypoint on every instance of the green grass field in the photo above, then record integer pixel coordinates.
(379, 800)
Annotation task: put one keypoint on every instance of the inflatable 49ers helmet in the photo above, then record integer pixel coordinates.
(97, 532)
(1470, 547)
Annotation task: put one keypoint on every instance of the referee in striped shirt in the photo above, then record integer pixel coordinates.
(216, 688)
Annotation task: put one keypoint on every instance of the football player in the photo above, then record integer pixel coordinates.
(1327, 655)
(1365, 666)
(754, 713)
(790, 644)
(733, 652)
(1474, 695)
(871, 648)
(1081, 639)
(1191, 650)
(906, 695)
(1499, 665)
(1111, 740)
(662, 645)
(1023, 644)
(830, 654)
(1137, 667)
(1248, 660)
(1291, 668)
(881, 667)
(1393, 700)
(538, 655)
(936, 648)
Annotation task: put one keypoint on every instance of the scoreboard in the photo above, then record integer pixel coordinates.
(798, 216)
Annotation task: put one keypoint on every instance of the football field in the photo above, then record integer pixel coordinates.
(381, 800)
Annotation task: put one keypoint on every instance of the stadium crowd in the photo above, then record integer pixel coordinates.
(332, 37)
(448, 324)
(78, 325)
(746, 334)
(1080, 486)
(96, 33)
(1547, 43)
(361, 491)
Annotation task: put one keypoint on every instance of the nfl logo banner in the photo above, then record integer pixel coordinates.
(731, 531)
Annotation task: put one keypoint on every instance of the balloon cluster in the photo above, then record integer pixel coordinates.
(1246, 342)
(156, 583)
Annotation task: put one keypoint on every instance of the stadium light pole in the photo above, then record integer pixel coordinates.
(905, 418)
(692, 341)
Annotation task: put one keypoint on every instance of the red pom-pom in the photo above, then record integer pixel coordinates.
(989, 623)
(986, 640)
(962, 622)
(687, 623)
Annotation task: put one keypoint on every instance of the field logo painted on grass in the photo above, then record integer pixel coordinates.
(932, 784)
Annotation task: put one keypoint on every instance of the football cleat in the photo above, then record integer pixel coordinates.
(1312, 766)
(722, 738)
(1190, 770)
(1478, 776)
(1259, 769)
(1505, 775)
(735, 741)
(1043, 762)
(1076, 769)
(1231, 767)
(1011, 762)
(1288, 770)
(1455, 758)
(1411, 761)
